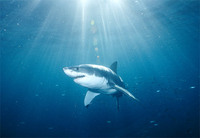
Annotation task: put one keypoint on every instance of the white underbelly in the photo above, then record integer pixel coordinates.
(99, 84)
(106, 89)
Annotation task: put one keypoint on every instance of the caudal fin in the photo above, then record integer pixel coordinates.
(118, 103)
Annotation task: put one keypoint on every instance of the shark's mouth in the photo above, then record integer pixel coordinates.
(79, 77)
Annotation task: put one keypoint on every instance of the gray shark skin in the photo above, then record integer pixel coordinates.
(99, 80)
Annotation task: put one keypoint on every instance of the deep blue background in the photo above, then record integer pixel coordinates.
(156, 44)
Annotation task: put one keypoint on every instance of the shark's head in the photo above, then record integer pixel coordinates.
(85, 75)
(74, 72)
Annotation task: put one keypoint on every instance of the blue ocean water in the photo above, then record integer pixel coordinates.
(156, 44)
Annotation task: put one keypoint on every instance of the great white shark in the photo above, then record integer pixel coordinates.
(99, 80)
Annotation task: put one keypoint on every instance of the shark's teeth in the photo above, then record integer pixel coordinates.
(79, 77)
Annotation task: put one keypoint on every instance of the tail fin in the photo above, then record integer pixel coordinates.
(117, 103)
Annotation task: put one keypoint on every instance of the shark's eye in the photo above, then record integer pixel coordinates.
(76, 68)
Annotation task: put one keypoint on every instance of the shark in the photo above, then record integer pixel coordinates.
(98, 80)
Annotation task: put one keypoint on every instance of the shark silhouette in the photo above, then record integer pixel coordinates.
(99, 80)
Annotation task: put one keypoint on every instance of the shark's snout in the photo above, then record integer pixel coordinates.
(65, 68)
(67, 71)
(71, 72)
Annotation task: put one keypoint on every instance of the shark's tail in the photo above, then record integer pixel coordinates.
(117, 95)
(118, 103)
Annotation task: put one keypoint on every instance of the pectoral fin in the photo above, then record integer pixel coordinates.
(124, 91)
(89, 97)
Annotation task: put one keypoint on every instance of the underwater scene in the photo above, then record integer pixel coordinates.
(99, 68)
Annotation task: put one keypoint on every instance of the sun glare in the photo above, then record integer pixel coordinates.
(84, 1)
(101, 25)
(115, 1)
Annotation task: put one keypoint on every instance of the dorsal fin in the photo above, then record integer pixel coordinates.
(113, 67)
